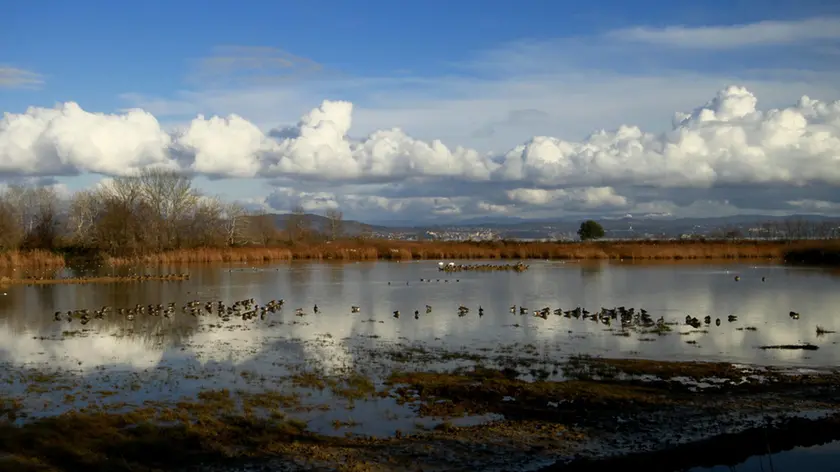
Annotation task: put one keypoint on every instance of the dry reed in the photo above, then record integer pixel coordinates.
(434, 250)
(30, 259)
(501, 250)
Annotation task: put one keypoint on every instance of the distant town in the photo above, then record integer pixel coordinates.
(795, 227)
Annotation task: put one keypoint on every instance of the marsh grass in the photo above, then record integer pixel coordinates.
(812, 252)
(31, 259)
(146, 439)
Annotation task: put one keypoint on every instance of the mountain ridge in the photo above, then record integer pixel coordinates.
(515, 227)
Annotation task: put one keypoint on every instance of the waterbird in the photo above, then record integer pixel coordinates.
(794, 315)
(354, 309)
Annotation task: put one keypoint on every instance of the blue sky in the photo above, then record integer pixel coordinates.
(488, 75)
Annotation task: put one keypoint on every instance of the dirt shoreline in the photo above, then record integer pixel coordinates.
(601, 416)
(726, 449)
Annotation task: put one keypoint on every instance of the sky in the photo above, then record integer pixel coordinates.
(434, 111)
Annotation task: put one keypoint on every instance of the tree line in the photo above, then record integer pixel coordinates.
(153, 211)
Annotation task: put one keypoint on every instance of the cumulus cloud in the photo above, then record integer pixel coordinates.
(728, 141)
(589, 197)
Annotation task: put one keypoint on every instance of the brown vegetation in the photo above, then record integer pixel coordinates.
(158, 217)
(31, 259)
(221, 428)
(371, 250)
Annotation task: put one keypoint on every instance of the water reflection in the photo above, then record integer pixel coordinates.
(29, 335)
(823, 458)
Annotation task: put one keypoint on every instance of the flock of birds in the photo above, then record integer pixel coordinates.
(249, 309)
(245, 309)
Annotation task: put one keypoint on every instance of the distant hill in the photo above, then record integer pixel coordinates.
(321, 224)
(520, 228)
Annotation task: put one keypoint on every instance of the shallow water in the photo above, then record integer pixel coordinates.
(823, 458)
(155, 358)
(671, 291)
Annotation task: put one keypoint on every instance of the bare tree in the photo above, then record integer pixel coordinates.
(297, 225)
(44, 230)
(21, 200)
(82, 214)
(203, 225)
(235, 223)
(10, 231)
(122, 227)
(171, 197)
(335, 223)
(262, 228)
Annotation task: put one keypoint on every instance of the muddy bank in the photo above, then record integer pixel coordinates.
(725, 449)
(595, 412)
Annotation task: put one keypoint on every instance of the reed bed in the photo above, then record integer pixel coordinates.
(811, 252)
(31, 259)
(207, 255)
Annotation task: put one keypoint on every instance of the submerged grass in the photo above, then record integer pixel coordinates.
(145, 439)
(811, 252)
(218, 426)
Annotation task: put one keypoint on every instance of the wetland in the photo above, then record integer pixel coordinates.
(403, 366)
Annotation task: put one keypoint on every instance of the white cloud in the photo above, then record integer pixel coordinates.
(587, 198)
(66, 139)
(763, 33)
(501, 135)
(727, 141)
